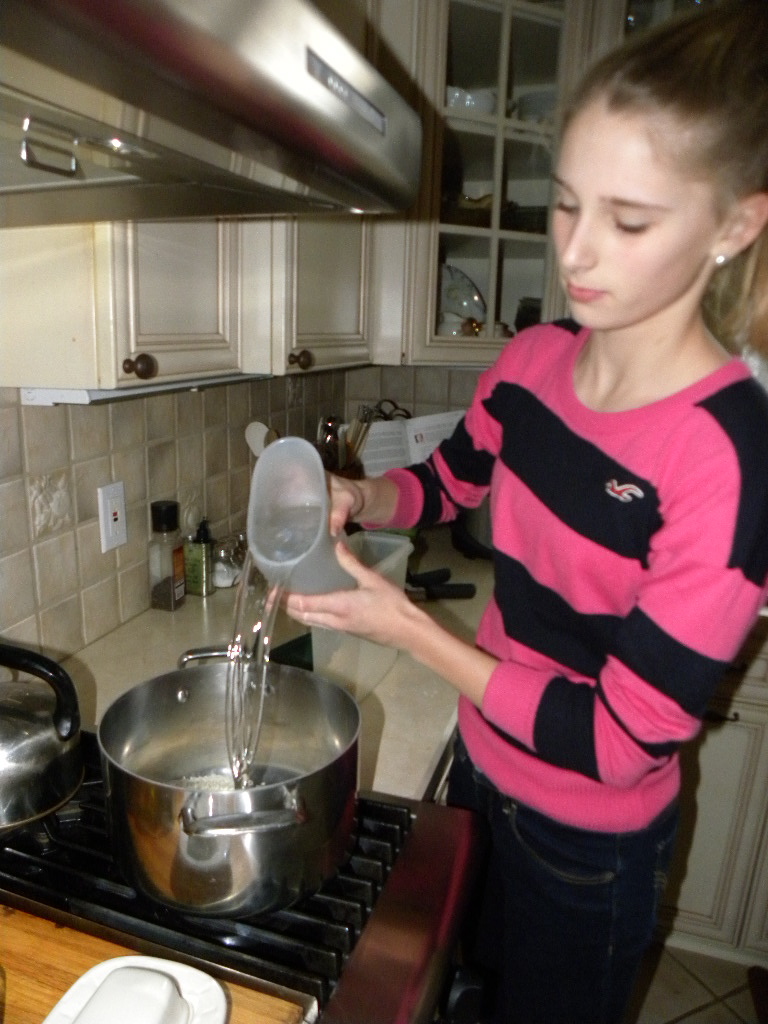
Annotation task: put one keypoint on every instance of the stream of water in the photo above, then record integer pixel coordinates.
(256, 608)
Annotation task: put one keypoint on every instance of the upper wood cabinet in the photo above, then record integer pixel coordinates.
(476, 256)
(319, 279)
(177, 289)
(120, 306)
(101, 307)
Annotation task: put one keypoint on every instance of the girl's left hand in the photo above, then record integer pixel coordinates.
(372, 611)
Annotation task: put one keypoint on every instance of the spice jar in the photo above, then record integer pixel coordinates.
(166, 557)
(227, 563)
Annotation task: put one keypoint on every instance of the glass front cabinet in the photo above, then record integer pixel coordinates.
(501, 74)
(492, 72)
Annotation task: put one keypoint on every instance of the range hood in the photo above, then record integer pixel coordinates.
(168, 109)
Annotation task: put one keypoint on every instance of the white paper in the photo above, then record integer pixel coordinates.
(392, 444)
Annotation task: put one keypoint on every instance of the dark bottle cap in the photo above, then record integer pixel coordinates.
(165, 516)
(203, 535)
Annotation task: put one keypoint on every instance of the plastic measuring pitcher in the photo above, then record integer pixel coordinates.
(287, 526)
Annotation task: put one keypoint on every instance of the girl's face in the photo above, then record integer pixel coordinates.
(635, 238)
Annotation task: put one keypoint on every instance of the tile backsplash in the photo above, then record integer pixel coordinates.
(58, 591)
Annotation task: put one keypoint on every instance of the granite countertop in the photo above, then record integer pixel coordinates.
(407, 719)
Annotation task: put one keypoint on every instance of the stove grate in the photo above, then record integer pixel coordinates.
(64, 863)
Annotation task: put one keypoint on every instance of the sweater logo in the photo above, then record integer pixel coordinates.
(623, 492)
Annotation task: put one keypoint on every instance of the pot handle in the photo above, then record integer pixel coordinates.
(66, 714)
(293, 813)
(201, 653)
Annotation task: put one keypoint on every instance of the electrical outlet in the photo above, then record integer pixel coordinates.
(112, 524)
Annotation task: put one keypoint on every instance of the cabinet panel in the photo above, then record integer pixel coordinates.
(319, 279)
(756, 930)
(329, 271)
(317, 293)
(47, 313)
(177, 297)
(164, 267)
(723, 811)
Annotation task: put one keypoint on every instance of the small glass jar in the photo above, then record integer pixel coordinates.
(226, 571)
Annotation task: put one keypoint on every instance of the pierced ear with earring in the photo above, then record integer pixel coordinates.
(721, 259)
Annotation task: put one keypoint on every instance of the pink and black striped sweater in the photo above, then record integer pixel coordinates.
(630, 559)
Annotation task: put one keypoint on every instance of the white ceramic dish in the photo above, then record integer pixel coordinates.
(141, 990)
(480, 100)
(460, 295)
(454, 96)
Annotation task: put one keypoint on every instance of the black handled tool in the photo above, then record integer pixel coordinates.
(434, 586)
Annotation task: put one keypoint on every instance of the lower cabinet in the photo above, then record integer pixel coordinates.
(717, 897)
(756, 930)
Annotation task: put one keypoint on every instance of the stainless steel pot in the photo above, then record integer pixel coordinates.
(40, 759)
(186, 842)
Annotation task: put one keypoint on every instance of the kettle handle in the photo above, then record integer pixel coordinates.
(66, 714)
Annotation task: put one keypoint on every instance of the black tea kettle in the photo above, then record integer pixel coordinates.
(41, 764)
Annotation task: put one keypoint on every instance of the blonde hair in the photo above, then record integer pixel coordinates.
(708, 70)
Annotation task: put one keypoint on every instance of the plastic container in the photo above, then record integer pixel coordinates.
(287, 525)
(360, 665)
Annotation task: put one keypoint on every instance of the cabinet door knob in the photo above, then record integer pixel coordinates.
(144, 366)
(303, 359)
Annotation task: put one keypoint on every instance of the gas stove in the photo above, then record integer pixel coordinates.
(374, 944)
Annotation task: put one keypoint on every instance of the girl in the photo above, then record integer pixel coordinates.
(626, 456)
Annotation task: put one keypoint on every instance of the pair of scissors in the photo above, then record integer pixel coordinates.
(386, 409)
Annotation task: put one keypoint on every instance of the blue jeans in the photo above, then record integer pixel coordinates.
(564, 915)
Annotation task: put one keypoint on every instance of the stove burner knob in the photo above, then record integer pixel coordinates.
(464, 1003)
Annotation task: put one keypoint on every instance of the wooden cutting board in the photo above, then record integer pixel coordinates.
(40, 961)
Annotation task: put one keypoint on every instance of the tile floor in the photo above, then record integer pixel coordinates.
(679, 987)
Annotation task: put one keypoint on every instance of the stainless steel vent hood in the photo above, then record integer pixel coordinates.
(158, 109)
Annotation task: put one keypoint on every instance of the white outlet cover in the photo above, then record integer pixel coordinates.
(112, 525)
